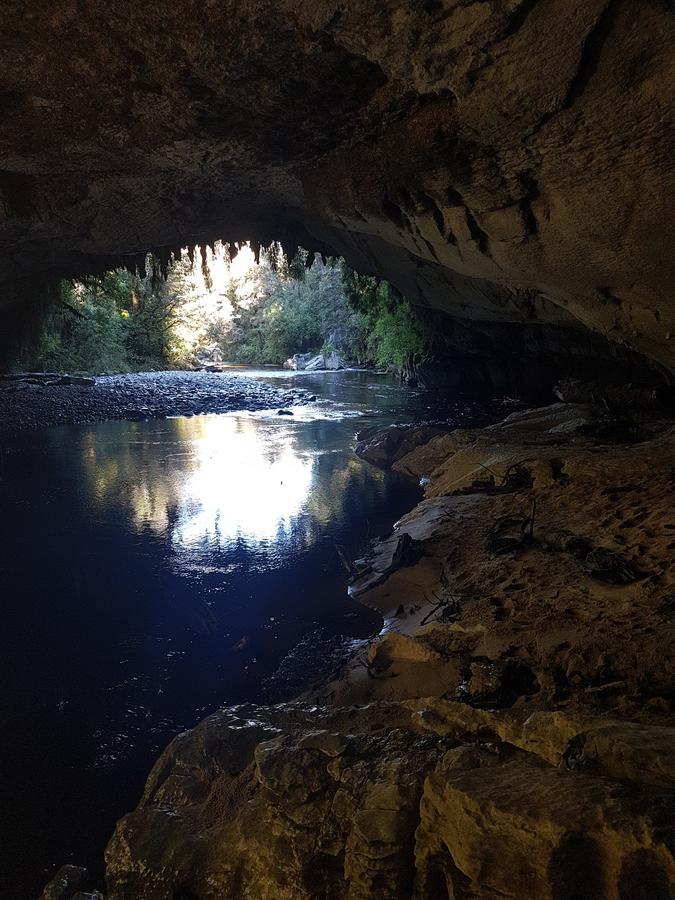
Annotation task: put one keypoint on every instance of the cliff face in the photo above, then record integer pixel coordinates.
(506, 161)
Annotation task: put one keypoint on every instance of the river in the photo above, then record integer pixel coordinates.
(154, 570)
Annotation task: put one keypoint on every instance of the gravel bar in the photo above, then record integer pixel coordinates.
(146, 395)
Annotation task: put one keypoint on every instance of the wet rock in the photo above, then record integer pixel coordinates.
(298, 361)
(384, 446)
(396, 552)
(45, 378)
(66, 884)
(297, 672)
(138, 396)
(334, 361)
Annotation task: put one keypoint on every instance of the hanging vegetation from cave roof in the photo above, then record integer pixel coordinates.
(241, 304)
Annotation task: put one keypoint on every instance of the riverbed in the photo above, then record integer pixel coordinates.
(154, 570)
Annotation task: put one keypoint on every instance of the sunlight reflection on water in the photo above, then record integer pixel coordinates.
(170, 565)
(243, 482)
(209, 483)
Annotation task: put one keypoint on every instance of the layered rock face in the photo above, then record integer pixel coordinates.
(509, 162)
(417, 799)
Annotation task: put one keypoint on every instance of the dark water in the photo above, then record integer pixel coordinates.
(153, 571)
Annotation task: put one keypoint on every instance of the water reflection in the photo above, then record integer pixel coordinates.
(153, 571)
(224, 483)
(243, 481)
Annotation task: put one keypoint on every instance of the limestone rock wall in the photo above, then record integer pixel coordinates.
(507, 160)
(397, 800)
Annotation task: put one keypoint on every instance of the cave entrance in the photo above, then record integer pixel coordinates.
(224, 305)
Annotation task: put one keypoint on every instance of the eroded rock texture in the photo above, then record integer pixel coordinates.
(395, 800)
(509, 161)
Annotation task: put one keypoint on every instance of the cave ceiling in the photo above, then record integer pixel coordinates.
(506, 161)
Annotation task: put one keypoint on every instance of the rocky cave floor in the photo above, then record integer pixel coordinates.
(509, 734)
(39, 399)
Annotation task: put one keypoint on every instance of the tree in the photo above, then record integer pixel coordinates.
(250, 311)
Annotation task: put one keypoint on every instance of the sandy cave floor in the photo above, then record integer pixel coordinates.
(533, 627)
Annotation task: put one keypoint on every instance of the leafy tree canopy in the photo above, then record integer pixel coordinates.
(225, 307)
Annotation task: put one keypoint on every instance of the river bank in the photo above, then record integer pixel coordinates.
(508, 733)
(144, 395)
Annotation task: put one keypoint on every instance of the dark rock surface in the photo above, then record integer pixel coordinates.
(145, 395)
(422, 799)
(384, 446)
(508, 162)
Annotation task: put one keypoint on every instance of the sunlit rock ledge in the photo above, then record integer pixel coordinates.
(507, 734)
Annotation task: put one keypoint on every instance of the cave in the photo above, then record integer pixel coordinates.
(507, 165)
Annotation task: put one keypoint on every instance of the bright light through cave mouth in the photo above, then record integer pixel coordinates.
(337, 428)
(225, 303)
(195, 459)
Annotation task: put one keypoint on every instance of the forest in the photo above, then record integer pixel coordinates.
(224, 304)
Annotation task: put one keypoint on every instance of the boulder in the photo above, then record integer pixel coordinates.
(316, 363)
(298, 361)
(334, 361)
(297, 801)
(384, 446)
(498, 822)
(66, 884)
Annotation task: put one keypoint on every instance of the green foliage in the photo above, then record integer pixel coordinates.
(122, 322)
(391, 331)
(395, 337)
(295, 309)
(109, 324)
(323, 307)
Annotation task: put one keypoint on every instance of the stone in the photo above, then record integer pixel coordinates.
(379, 802)
(385, 447)
(287, 819)
(315, 363)
(66, 884)
(507, 825)
(298, 361)
(625, 750)
(388, 556)
(394, 646)
(334, 361)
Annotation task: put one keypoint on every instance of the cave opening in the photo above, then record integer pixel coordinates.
(213, 306)
(348, 530)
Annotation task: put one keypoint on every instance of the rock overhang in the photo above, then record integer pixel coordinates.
(505, 162)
